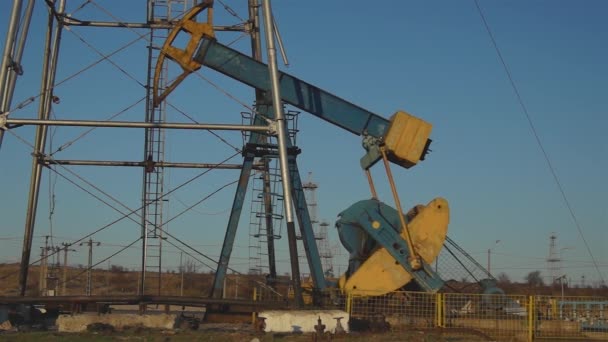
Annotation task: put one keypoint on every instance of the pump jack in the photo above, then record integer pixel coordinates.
(387, 248)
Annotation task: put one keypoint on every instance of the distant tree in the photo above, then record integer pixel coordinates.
(534, 279)
(117, 268)
(503, 278)
(189, 267)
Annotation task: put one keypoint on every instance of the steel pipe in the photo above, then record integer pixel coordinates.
(7, 55)
(282, 139)
(136, 299)
(130, 124)
(160, 25)
(51, 53)
(141, 164)
(7, 58)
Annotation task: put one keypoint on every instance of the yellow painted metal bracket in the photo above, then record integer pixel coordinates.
(183, 57)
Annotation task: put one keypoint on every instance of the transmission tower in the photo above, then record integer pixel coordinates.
(325, 251)
(553, 260)
(320, 228)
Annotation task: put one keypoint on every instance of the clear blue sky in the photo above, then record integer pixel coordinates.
(433, 59)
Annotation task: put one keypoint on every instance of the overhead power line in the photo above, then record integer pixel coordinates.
(537, 138)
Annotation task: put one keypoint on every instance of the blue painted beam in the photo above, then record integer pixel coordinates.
(294, 91)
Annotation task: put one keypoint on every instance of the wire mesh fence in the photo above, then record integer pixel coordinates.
(571, 317)
(498, 317)
(394, 311)
(503, 317)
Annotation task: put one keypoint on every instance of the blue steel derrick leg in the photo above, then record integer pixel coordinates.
(237, 207)
(233, 222)
(308, 236)
(235, 214)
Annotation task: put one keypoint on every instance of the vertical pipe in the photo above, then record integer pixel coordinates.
(282, 137)
(18, 54)
(9, 48)
(48, 79)
(144, 190)
(256, 52)
(7, 79)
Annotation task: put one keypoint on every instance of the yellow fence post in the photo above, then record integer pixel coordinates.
(531, 316)
(253, 314)
(349, 299)
(439, 309)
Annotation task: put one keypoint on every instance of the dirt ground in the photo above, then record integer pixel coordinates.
(220, 334)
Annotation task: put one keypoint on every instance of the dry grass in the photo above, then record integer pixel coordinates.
(118, 281)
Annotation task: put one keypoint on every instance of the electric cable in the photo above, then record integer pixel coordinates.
(30, 100)
(64, 146)
(537, 138)
(208, 130)
(127, 215)
(90, 46)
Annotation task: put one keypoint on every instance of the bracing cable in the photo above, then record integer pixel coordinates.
(124, 215)
(31, 99)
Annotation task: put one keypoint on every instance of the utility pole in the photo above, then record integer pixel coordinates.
(41, 276)
(43, 266)
(64, 279)
(181, 268)
(90, 243)
(489, 256)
